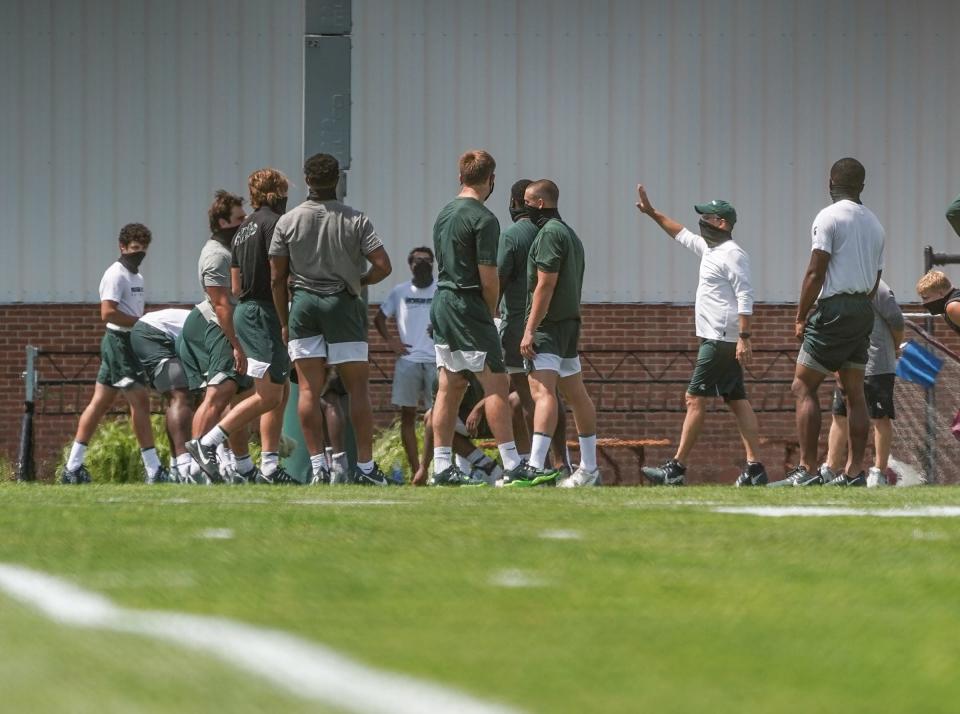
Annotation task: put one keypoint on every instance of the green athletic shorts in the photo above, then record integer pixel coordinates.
(718, 372)
(157, 354)
(837, 334)
(464, 335)
(332, 327)
(206, 354)
(258, 329)
(119, 366)
(511, 333)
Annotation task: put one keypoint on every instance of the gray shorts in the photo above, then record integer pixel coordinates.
(413, 383)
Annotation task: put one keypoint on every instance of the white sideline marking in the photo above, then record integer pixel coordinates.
(514, 578)
(216, 533)
(303, 668)
(561, 535)
(821, 511)
(355, 502)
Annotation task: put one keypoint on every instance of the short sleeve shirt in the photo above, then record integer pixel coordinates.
(213, 269)
(249, 253)
(410, 306)
(557, 249)
(124, 288)
(327, 243)
(882, 356)
(512, 255)
(465, 236)
(169, 321)
(854, 238)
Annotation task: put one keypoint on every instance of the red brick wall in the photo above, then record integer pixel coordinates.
(606, 326)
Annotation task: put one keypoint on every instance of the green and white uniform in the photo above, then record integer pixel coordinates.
(512, 254)
(557, 249)
(119, 367)
(153, 339)
(327, 243)
(465, 338)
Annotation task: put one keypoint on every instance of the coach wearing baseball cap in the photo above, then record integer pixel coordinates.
(723, 309)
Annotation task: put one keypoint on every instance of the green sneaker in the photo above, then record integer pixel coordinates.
(453, 476)
(526, 476)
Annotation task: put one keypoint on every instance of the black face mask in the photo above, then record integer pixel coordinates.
(939, 307)
(540, 216)
(422, 273)
(225, 235)
(490, 192)
(517, 214)
(712, 235)
(279, 206)
(131, 261)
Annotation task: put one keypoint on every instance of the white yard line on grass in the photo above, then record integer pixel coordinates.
(830, 511)
(561, 534)
(303, 668)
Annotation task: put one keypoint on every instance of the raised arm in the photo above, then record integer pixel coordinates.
(669, 225)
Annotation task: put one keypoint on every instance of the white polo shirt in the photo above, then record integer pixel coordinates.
(124, 288)
(411, 306)
(854, 238)
(724, 291)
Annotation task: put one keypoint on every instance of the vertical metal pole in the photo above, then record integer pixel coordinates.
(25, 452)
(931, 420)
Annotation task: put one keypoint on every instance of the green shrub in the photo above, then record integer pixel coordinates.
(7, 472)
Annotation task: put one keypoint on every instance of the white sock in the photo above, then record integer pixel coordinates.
(340, 462)
(463, 463)
(478, 458)
(214, 437)
(194, 468)
(588, 452)
(539, 449)
(77, 452)
(244, 464)
(318, 462)
(568, 462)
(509, 455)
(183, 463)
(525, 457)
(269, 462)
(442, 458)
(151, 462)
(365, 467)
(328, 452)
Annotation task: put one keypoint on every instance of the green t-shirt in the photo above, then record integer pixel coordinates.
(512, 256)
(464, 236)
(557, 249)
(953, 215)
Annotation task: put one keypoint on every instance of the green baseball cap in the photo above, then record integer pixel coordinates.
(718, 208)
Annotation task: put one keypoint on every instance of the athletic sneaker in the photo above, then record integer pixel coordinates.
(581, 478)
(321, 477)
(860, 480)
(753, 475)
(453, 476)
(670, 474)
(161, 475)
(206, 458)
(78, 476)
(876, 477)
(526, 476)
(799, 477)
(491, 473)
(250, 476)
(278, 478)
(374, 478)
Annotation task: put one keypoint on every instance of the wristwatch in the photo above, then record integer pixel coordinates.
(744, 335)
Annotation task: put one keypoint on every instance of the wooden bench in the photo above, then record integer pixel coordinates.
(611, 474)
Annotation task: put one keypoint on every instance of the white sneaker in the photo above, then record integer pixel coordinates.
(581, 477)
(827, 474)
(876, 477)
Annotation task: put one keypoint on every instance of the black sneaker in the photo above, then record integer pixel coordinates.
(206, 458)
(842, 480)
(278, 478)
(160, 476)
(250, 476)
(800, 477)
(453, 476)
(526, 476)
(78, 476)
(670, 474)
(374, 478)
(753, 475)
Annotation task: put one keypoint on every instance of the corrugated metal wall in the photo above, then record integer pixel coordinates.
(123, 110)
(749, 100)
(114, 111)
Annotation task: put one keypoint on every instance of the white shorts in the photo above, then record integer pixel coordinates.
(564, 366)
(336, 353)
(460, 360)
(413, 383)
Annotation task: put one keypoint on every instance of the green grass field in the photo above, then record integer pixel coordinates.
(603, 600)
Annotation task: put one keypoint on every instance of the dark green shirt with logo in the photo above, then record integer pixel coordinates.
(512, 257)
(557, 249)
(464, 236)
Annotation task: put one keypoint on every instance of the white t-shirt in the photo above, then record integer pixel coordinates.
(125, 289)
(724, 291)
(411, 306)
(854, 238)
(169, 321)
